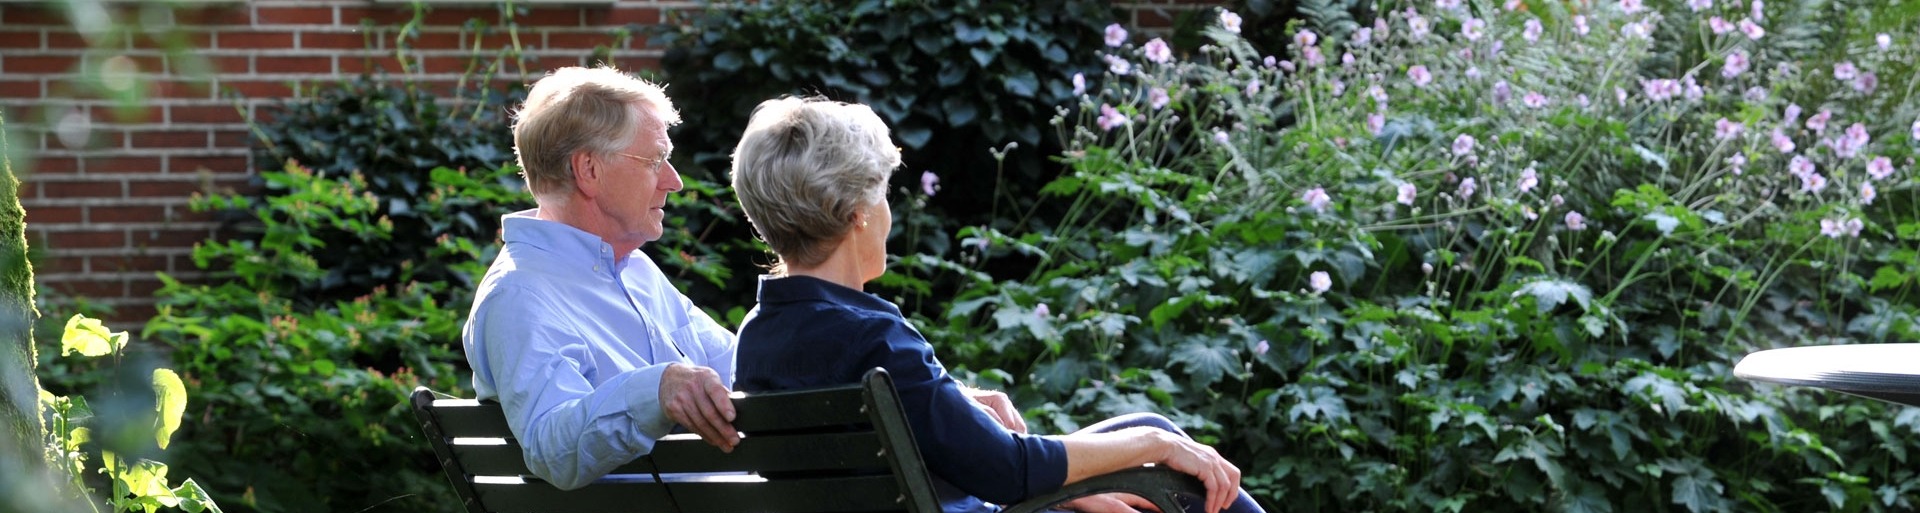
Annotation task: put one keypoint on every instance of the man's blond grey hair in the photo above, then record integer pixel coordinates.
(598, 110)
(803, 169)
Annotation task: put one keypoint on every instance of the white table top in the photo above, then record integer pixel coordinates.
(1889, 372)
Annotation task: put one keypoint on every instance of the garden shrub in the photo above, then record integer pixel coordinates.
(1483, 255)
(296, 405)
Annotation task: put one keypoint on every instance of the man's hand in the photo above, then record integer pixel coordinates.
(999, 406)
(693, 396)
(1110, 503)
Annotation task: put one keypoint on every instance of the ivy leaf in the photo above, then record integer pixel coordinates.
(1548, 294)
(1319, 402)
(89, 338)
(981, 56)
(728, 61)
(170, 397)
(1585, 497)
(1205, 362)
(1023, 83)
(1699, 494)
(195, 499)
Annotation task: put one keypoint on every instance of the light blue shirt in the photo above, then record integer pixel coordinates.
(573, 346)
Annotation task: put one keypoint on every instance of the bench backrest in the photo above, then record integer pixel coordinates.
(840, 449)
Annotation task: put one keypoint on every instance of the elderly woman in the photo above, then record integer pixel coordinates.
(811, 176)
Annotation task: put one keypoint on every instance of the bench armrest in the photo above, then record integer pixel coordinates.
(1156, 484)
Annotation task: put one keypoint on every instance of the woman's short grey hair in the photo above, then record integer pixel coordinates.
(599, 110)
(804, 168)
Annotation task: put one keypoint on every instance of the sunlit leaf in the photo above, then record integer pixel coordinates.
(89, 337)
(170, 397)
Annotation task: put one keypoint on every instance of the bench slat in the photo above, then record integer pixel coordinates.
(799, 410)
(469, 419)
(822, 495)
(764, 453)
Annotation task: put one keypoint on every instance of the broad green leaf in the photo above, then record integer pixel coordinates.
(195, 499)
(1698, 494)
(1205, 362)
(170, 396)
(89, 338)
(1548, 294)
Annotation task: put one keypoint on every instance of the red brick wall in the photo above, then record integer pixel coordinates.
(107, 204)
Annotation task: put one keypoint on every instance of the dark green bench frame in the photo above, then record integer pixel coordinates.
(838, 449)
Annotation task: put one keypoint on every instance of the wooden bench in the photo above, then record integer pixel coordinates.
(838, 449)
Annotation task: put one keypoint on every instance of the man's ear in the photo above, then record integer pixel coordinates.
(586, 176)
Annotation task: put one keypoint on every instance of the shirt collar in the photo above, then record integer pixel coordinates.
(793, 289)
(568, 245)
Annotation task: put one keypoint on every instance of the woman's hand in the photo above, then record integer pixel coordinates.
(1111, 503)
(1190, 457)
(999, 406)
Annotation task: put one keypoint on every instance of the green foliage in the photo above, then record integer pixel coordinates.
(139, 484)
(391, 135)
(300, 403)
(953, 78)
(1514, 279)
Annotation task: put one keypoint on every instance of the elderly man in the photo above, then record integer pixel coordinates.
(589, 349)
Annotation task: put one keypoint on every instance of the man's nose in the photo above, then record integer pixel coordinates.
(670, 178)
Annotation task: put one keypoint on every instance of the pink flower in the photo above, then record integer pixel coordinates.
(1556, 200)
(1158, 51)
(1857, 136)
(1316, 199)
(1884, 40)
(1407, 192)
(1079, 84)
(1042, 311)
(1580, 24)
(1426, 268)
(1620, 96)
(1642, 30)
(1269, 62)
(1220, 136)
(1534, 100)
(1758, 11)
(1800, 166)
(1660, 89)
(1752, 30)
(1253, 87)
(1313, 57)
(1417, 27)
(1792, 114)
(1117, 35)
(1305, 38)
(1853, 226)
(1719, 26)
(1319, 281)
(929, 182)
(1865, 82)
(1361, 37)
(1447, 4)
(1880, 168)
(1467, 187)
(1346, 59)
(1631, 6)
(1532, 32)
(1575, 221)
(1867, 193)
(1727, 129)
(1515, 5)
(1835, 228)
(1818, 123)
(1581, 100)
(1157, 97)
(1844, 71)
(1110, 118)
(1528, 179)
(1117, 65)
(1693, 90)
(1699, 5)
(1782, 142)
(1473, 28)
(1737, 161)
(1463, 145)
(1502, 92)
(1736, 64)
(1262, 347)
(1375, 122)
(1230, 21)
(1419, 75)
(1286, 66)
(1813, 182)
(1379, 95)
(1916, 129)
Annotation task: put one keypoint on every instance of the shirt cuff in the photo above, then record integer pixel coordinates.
(643, 403)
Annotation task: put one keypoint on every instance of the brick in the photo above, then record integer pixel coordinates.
(189, 39)
(122, 164)
(196, 139)
(82, 189)
(254, 40)
(635, 63)
(204, 114)
(457, 17)
(549, 17)
(90, 288)
(369, 64)
(645, 16)
(438, 40)
(433, 65)
(310, 40)
(168, 238)
(293, 16)
(62, 40)
(580, 40)
(144, 288)
(54, 165)
(232, 63)
(22, 15)
(11, 88)
(20, 39)
(85, 239)
(232, 15)
(217, 164)
(163, 189)
(127, 214)
(183, 89)
(126, 263)
(232, 138)
(257, 88)
(55, 215)
(316, 65)
(380, 16)
(1153, 19)
(38, 64)
(119, 113)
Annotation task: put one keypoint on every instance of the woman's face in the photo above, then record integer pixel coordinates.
(871, 240)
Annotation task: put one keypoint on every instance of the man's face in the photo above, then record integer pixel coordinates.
(637, 186)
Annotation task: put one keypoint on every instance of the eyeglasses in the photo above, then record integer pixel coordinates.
(656, 162)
